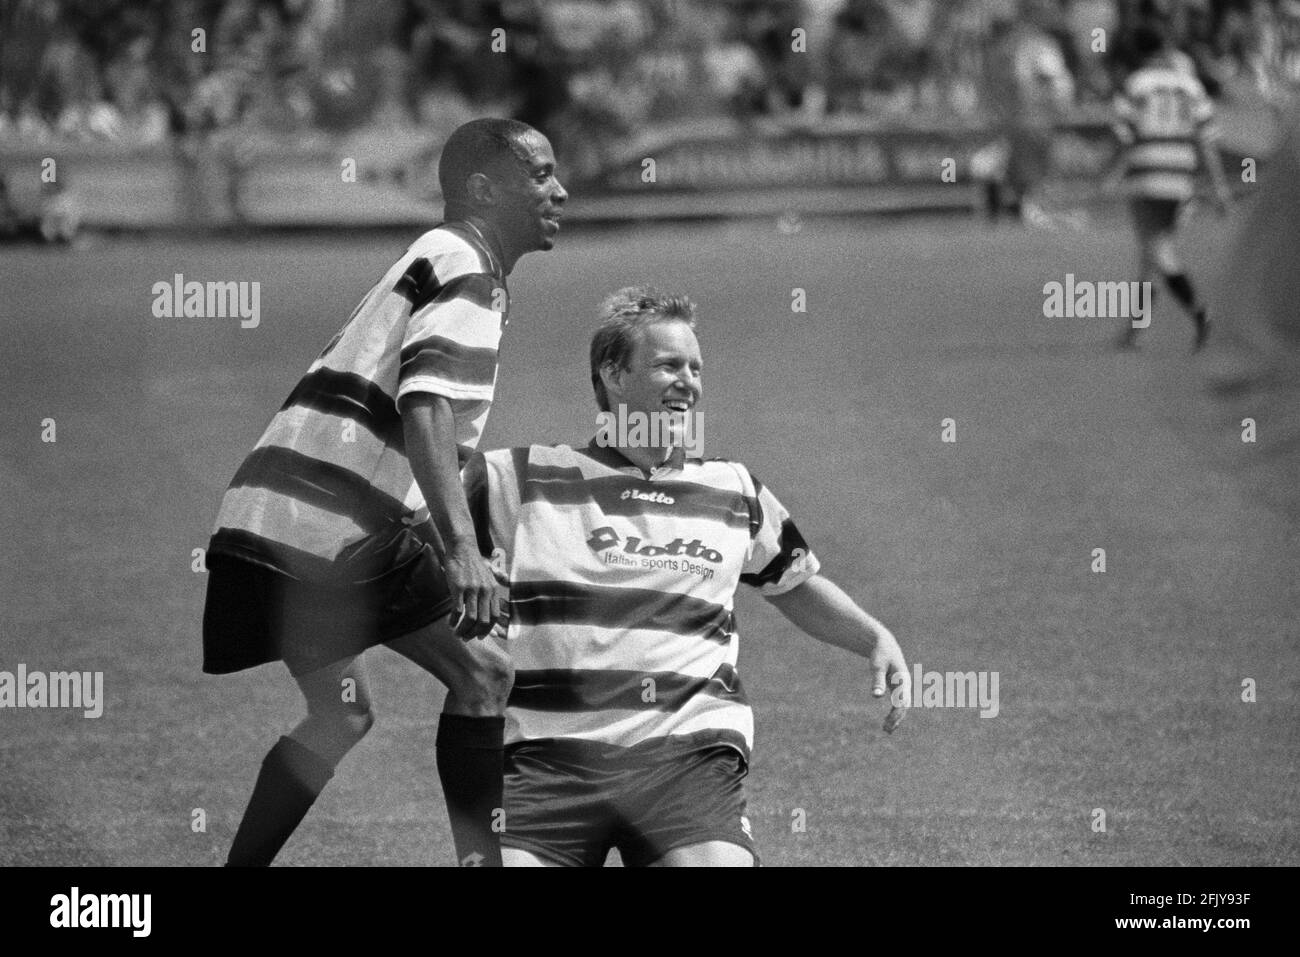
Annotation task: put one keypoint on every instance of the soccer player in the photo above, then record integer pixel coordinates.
(1028, 88)
(1165, 126)
(627, 726)
(347, 526)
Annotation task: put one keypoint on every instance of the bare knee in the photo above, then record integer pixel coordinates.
(1165, 256)
(330, 733)
(478, 673)
(482, 690)
(339, 713)
(345, 725)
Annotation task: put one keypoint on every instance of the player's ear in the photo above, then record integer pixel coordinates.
(611, 374)
(481, 190)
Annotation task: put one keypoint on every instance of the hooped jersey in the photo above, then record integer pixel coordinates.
(1163, 112)
(328, 491)
(622, 586)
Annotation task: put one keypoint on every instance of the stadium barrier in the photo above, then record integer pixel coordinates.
(719, 169)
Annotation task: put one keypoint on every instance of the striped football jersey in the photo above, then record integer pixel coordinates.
(622, 630)
(328, 490)
(1163, 112)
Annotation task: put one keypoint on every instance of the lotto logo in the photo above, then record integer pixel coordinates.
(605, 537)
(658, 497)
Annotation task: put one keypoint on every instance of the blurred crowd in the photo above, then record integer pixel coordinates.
(135, 72)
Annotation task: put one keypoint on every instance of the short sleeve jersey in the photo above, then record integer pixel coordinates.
(328, 490)
(1162, 113)
(622, 587)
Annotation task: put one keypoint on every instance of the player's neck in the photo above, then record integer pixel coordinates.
(491, 236)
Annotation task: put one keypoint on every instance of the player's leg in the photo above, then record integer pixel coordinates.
(478, 673)
(339, 709)
(1027, 169)
(707, 854)
(686, 810)
(1148, 283)
(515, 857)
(1146, 231)
(471, 733)
(298, 767)
(558, 812)
(1170, 265)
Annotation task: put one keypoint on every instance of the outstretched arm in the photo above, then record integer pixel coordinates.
(821, 609)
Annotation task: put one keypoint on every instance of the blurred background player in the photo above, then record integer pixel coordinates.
(323, 546)
(1029, 89)
(53, 213)
(628, 726)
(60, 213)
(1164, 123)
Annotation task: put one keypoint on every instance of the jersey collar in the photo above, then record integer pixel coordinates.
(484, 240)
(609, 456)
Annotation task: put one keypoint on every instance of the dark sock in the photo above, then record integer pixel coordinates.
(1151, 291)
(1181, 287)
(992, 200)
(291, 778)
(470, 766)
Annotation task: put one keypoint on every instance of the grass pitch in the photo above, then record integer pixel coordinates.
(1119, 691)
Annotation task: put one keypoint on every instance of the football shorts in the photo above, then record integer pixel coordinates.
(570, 802)
(1154, 216)
(255, 615)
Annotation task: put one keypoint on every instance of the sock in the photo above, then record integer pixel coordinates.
(290, 780)
(1181, 287)
(1152, 294)
(471, 754)
(992, 200)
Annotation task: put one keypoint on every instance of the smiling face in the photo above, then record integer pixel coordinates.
(663, 375)
(529, 198)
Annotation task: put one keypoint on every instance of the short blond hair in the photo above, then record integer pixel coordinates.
(623, 315)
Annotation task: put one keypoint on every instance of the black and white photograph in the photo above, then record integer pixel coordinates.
(651, 433)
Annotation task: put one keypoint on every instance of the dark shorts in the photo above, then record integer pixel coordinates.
(1154, 217)
(255, 615)
(1030, 159)
(568, 806)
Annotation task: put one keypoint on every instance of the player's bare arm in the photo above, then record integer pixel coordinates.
(1213, 162)
(1112, 177)
(821, 609)
(430, 434)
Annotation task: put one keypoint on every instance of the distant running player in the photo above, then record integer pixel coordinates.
(1027, 90)
(628, 726)
(323, 546)
(1164, 124)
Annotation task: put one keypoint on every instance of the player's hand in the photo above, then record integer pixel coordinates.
(889, 671)
(501, 627)
(473, 583)
(498, 565)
